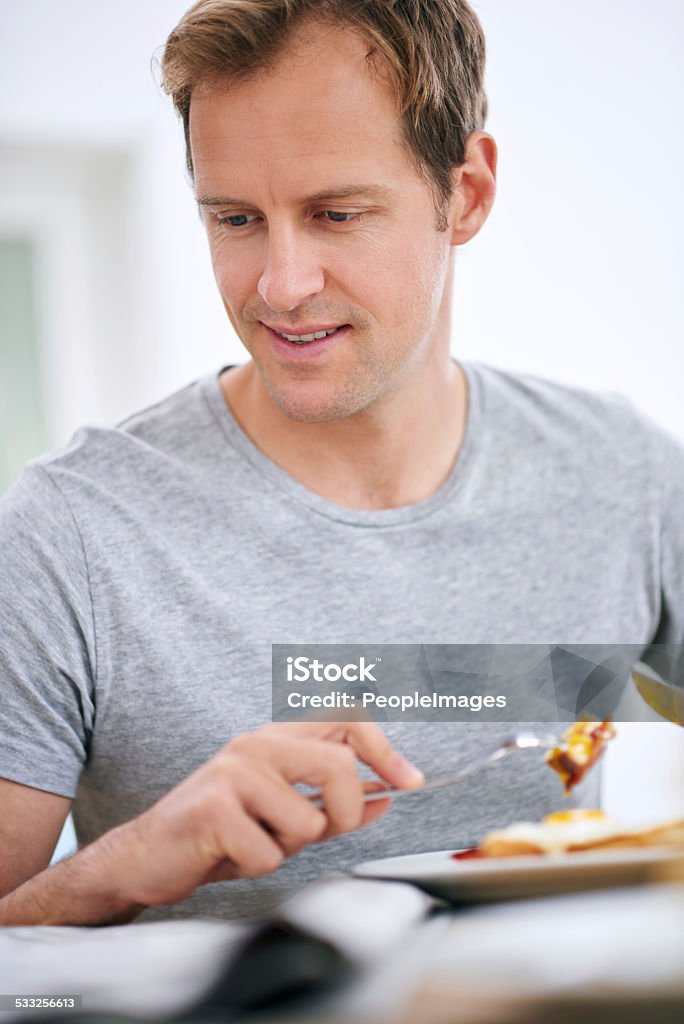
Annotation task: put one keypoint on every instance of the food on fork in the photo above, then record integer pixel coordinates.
(580, 748)
(575, 831)
(580, 829)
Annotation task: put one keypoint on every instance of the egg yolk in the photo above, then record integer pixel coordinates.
(577, 814)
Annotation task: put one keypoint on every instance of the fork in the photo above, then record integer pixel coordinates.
(521, 741)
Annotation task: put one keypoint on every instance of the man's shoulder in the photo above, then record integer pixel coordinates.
(563, 418)
(174, 427)
(173, 442)
(526, 395)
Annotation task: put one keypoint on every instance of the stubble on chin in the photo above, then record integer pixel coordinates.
(307, 400)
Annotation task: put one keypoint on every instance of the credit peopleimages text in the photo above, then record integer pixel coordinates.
(501, 683)
(405, 701)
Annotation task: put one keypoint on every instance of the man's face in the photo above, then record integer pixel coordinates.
(318, 221)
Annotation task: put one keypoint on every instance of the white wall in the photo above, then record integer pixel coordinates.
(577, 275)
(76, 77)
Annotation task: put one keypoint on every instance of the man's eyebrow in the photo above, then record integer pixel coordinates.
(379, 192)
(375, 192)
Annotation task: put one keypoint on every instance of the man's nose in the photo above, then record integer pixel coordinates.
(292, 271)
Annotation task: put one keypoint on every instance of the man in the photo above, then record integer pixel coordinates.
(349, 483)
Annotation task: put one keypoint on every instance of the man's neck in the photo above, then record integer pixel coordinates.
(379, 459)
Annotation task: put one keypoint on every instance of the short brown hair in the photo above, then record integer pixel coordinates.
(434, 51)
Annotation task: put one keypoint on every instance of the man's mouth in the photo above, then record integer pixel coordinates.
(304, 339)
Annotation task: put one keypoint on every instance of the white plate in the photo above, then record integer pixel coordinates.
(502, 878)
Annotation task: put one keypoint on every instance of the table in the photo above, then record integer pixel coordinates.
(607, 955)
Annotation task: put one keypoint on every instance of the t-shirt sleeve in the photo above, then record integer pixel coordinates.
(47, 638)
(669, 485)
(663, 492)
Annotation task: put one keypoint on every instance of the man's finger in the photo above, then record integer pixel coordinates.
(249, 847)
(292, 820)
(373, 810)
(373, 748)
(369, 743)
(316, 762)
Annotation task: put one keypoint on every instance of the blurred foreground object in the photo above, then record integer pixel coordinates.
(665, 699)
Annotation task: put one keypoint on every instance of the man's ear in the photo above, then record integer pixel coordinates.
(474, 188)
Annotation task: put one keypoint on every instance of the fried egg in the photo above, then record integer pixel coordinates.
(575, 830)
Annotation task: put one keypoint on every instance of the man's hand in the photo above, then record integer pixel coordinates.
(239, 815)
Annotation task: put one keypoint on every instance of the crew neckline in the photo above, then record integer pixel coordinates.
(369, 518)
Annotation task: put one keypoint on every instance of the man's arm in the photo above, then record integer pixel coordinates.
(238, 816)
(74, 891)
(30, 823)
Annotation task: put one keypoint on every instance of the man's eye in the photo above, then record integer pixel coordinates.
(237, 220)
(339, 216)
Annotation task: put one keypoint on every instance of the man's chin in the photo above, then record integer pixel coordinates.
(315, 404)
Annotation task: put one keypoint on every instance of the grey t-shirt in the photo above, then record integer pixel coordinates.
(147, 569)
